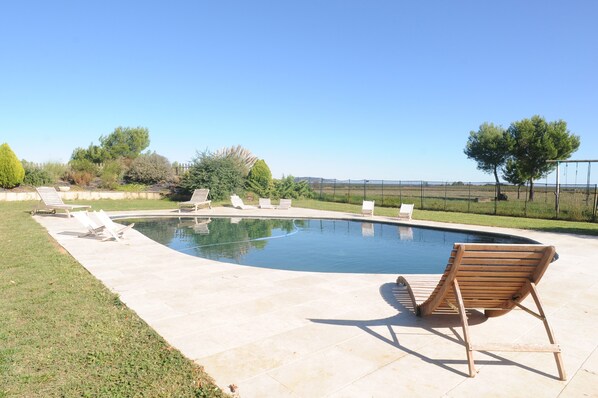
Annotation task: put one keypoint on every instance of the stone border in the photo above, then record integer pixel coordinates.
(81, 195)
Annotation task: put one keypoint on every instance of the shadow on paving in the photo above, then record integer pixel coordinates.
(398, 298)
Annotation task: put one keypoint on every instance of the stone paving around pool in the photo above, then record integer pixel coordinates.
(277, 333)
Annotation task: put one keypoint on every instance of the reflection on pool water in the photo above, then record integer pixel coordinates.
(314, 245)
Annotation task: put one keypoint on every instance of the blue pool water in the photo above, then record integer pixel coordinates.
(314, 245)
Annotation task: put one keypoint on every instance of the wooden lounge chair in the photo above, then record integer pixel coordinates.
(367, 208)
(199, 198)
(238, 203)
(406, 211)
(492, 277)
(51, 200)
(265, 203)
(284, 204)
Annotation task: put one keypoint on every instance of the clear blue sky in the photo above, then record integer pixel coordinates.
(337, 89)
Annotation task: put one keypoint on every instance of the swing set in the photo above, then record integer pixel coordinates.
(558, 183)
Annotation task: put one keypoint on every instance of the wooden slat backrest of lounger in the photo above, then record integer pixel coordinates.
(492, 277)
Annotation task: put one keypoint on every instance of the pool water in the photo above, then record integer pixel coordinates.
(314, 245)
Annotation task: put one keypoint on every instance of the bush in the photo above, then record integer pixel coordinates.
(35, 175)
(111, 174)
(259, 179)
(56, 170)
(84, 165)
(222, 175)
(288, 188)
(81, 178)
(12, 172)
(82, 171)
(150, 168)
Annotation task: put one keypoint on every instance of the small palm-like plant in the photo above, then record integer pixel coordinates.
(241, 155)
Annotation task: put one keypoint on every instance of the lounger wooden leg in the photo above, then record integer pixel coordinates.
(465, 325)
(557, 355)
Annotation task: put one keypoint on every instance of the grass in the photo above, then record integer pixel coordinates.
(560, 226)
(62, 333)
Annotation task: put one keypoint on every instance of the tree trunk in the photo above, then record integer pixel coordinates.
(497, 183)
(531, 190)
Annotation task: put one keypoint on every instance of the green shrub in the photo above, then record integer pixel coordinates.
(12, 172)
(222, 175)
(111, 174)
(84, 165)
(56, 170)
(288, 188)
(150, 168)
(36, 176)
(259, 179)
(82, 171)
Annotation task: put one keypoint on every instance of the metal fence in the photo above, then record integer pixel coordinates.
(577, 202)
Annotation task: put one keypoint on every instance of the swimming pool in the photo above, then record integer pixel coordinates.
(319, 245)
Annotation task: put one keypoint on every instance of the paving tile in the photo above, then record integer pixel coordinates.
(304, 334)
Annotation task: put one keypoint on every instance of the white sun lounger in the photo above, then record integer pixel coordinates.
(284, 204)
(113, 229)
(265, 203)
(199, 198)
(367, 208)
(237, 202)
(406, 211)
(51, 200)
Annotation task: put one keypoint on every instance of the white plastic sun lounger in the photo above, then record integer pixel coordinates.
(265, 203)
(93, 228)
(367, 208)
(237, 202)
(113, 229)
(284, 204)
(406, 211)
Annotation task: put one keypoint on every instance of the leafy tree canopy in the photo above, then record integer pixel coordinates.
(489, 147)
(126, 142)
(535, 141)
(123, 142)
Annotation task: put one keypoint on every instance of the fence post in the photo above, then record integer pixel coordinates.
(382, 193)
(334, 191)
(400, 193)
(595, 200)
(525, 207)
(321, 183)
(445, 188)
(349, 192)
(364, 182)
(469, 197)
(422, 194)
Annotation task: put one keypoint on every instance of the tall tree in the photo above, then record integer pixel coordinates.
(127, 142)
(512, 174)
(535, 141)
(489, 147)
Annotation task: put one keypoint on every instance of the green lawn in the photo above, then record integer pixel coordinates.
(581, 228)
(62, 333)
